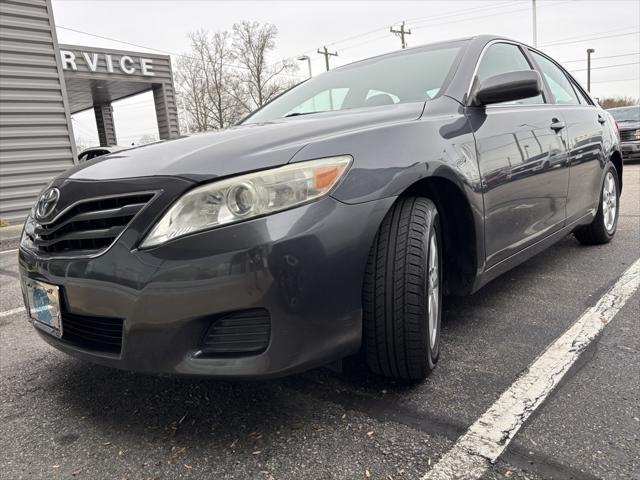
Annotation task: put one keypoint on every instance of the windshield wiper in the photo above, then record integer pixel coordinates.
(295, 114)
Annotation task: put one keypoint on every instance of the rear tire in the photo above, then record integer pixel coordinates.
(402, 298)
(605, 223)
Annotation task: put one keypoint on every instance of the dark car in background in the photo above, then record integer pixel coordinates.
(628, 120)
(331, 220)
(94, 152)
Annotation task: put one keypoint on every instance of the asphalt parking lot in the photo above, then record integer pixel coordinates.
(63, 418)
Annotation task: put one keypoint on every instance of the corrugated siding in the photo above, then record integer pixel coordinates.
(35, 131)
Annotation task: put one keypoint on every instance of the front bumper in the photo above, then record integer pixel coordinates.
(305, 266)
(630, 150)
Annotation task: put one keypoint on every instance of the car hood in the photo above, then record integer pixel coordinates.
(238, 149)
(629, 125)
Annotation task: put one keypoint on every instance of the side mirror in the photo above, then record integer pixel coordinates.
(507, 87)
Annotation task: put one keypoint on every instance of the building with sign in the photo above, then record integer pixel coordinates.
(96, 77)
(43, 83)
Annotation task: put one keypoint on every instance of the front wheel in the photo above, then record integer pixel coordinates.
(402, 298)
(605, 223)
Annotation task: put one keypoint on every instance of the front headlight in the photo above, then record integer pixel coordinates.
(246, 196)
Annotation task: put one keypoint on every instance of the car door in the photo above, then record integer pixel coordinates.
(522, 160)
(585, 130)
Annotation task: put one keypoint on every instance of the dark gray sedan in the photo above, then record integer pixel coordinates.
(332, 220)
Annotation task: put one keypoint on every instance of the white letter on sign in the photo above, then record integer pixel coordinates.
(92, 62)
(109, 62)
(147, 67)
(68, 60)
(128, 69)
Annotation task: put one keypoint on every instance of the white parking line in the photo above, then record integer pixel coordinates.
(9, 251)
(6, 313)
(486, 439)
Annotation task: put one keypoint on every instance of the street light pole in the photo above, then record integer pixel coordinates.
(306, 57)
(589, 52)
(535, 24)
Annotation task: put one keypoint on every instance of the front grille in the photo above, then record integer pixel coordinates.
(628, 135)
(90, 226)
(102, 334)
(245, 332)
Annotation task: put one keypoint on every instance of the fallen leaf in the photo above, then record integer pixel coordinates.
(188, 466)
(370, 433)
(367, 474)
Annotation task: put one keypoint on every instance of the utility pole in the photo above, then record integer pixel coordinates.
(327, 54)
(589, 52)
(401, 33)
(535, 24)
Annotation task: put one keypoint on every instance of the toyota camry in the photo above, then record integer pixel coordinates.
(331, 221)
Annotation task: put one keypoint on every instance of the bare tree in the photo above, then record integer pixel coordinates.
(193, 93)
(227, 75)
(257, 81)
(147, 138)
(216, 56)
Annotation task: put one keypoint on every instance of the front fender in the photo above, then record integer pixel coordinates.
(389, 158)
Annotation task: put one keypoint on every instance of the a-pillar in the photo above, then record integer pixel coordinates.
(104, 122)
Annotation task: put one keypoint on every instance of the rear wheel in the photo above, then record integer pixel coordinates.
(604, 225)
(403, 292)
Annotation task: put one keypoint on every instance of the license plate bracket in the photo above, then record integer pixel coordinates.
(43, 305)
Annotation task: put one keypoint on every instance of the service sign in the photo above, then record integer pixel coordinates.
(107, 63)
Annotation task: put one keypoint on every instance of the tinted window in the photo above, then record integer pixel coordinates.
(411, 76)
(96, 153)
(559, 84)
(502, 58)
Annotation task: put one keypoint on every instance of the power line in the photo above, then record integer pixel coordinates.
(601, 58)
(619, 80)
(436, 17)
(430, 23)
(591, 38)
(380, 29)
(475, 17)
(606, 66)
(575, 37)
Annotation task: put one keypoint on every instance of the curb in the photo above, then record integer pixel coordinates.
(11, 232)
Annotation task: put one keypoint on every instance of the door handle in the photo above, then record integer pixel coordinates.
(601, 119)
(556, 125)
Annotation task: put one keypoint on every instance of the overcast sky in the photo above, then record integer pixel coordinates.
(358, 29)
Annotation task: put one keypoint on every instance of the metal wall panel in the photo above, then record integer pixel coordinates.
(36, 136)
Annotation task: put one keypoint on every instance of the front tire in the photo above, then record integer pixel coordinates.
(605, 223)
(402, 298)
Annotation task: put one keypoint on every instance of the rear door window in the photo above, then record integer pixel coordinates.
(560, 86)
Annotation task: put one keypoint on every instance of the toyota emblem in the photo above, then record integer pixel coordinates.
(47, 203)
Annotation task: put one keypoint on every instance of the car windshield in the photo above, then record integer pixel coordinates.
(629, 114)
(410, 76)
